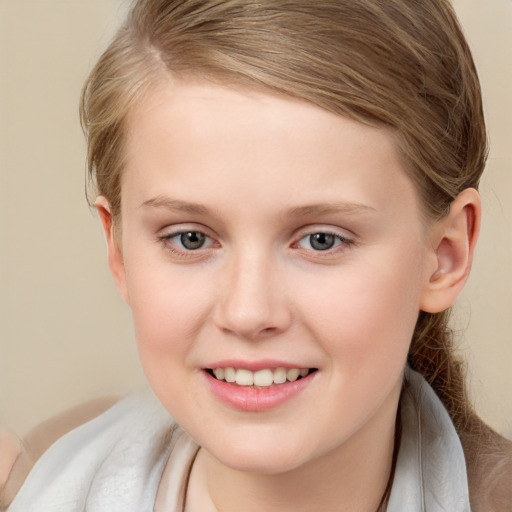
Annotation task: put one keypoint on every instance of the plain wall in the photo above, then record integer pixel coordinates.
(65, 335)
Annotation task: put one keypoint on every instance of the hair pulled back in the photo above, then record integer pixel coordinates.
(402, 64)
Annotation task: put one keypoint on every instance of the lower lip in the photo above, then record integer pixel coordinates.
(249, 399)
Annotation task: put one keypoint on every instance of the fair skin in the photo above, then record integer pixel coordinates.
(315, 256)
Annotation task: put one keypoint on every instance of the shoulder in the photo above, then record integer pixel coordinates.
(20, 455)
(124, 444)
(489, 465)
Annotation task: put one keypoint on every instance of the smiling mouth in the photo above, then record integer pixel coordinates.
(261, 379)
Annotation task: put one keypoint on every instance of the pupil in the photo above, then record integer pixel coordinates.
(192, 240)
(322, 241)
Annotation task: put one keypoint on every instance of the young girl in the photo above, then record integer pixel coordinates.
(288, 193)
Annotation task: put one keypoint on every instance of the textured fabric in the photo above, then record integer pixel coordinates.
(111, 464)
(115, 462)
(430, 474)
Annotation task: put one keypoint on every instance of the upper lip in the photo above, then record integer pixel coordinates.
(254, 366)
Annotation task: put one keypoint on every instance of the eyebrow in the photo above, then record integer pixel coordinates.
(343, 207)
(171, 204)
(331, 208)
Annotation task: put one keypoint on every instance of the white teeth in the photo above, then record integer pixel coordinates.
(244, 378)
(293, 374)
(262, 378)
(219, 373)
(280, 376)
(229, 374)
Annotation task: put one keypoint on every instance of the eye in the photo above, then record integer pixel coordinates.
(187, 241)
(192, 240)
(322, 241)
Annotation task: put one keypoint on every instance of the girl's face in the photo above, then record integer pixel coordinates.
(264, 234)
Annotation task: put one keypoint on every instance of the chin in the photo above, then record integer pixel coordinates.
(269, 458)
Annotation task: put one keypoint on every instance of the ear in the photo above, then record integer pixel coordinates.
(114, 253)
(453, 243)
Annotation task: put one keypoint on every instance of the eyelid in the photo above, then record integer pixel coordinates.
(165, 236)
(345, 238)
(327, 229)
(181, 233)
(176, 229)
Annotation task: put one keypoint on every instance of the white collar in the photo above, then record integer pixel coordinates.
(430, 474)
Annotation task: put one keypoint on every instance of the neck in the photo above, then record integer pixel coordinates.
(353, 477)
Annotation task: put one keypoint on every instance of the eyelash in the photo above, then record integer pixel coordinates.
(172, 247)
(341, 243)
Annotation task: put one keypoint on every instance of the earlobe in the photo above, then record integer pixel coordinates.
(454, 240)
(114, 252)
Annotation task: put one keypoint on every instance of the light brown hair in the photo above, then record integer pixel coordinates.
(403, 64)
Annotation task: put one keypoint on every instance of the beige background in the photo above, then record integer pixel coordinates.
(65, 336)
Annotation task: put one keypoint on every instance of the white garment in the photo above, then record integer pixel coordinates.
(430, 473)
(115, 462)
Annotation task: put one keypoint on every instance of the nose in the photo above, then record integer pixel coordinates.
(253, 302)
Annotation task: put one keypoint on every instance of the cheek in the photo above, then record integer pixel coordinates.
(169, 305)
(365, 313)
(363, 319)
(169, 309)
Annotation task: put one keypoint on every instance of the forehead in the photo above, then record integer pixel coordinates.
(201, 138)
